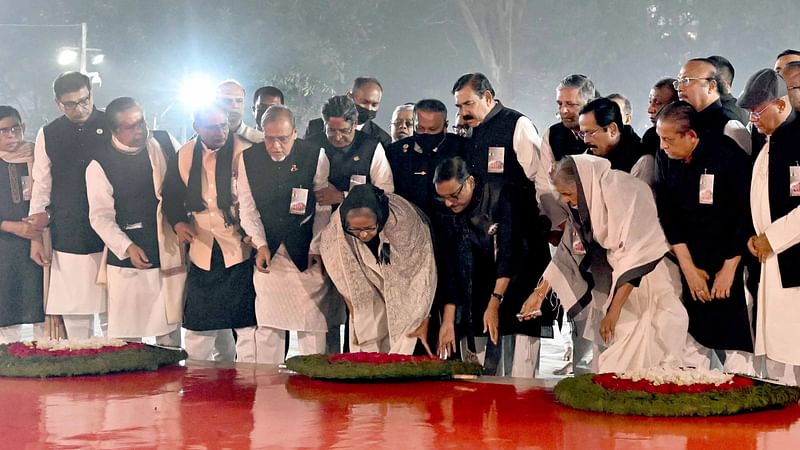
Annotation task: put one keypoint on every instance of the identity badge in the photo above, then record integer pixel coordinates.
(355, 180)
(794, 181)
(707, 189)
(496, 159)
(25, 180)
(577, 244)
(299, 200)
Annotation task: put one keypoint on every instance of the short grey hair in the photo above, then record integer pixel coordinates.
(277, 112)
(404, 107)
(582, 83)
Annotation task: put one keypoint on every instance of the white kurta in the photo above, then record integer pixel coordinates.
(73, 285)
(777, 331)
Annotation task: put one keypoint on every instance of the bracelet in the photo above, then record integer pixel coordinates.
(499, 297)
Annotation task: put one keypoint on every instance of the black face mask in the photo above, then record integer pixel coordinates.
(428, 142)
(364, 114)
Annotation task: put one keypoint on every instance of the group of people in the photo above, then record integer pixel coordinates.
(681, 247)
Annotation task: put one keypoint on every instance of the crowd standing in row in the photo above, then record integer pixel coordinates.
(681, 247)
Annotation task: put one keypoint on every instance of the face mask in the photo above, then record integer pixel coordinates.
(364, 114)
(428, 142)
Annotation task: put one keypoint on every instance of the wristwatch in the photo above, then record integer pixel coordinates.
(499, 297)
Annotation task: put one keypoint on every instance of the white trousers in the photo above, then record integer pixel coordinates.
(271, 344)
(219, 345)
(82, 326)
(13, 333)
(736, 361)
(783, 373)
(523, 362)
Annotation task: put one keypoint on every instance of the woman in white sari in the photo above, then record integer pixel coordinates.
(378, 252)
(613, 256)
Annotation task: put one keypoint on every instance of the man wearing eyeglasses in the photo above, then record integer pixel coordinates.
(64, 148)
(20, 278)
(402, 125)
(230, 94)
(145, 273)
(791, 73)
(775, 205)
(277, 180)
(697, 84)
(200, 203)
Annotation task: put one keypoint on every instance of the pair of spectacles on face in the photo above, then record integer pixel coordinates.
(283, 140)
(584, 134)
(407, 123)
(11, 131)
(338, 131)
(685, 81)
(82, 102)
(756, 115)
(355, 232)
(452, 197)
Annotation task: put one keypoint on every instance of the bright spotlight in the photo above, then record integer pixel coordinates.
(98, 59)
(67, 57)
(197, 91)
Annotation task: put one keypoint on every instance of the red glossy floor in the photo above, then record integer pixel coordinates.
(203, 406)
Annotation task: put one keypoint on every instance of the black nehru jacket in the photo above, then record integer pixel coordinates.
(564, 141)
(413, 168)
(712, 120)
(496, 130)
(317, 126)
(784, 152)
(627, 152)
(271, 183)
(135, 202)
(731, 109)
(344, 163)
(70, 148)
(651, 142)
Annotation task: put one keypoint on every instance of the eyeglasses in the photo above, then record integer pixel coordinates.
(283, 140)
(687, 80)
(356, 231)
(335, 131)
(407, 123)
(756, 115)
(583, 135)
(11, 131)
(82, 102)
(452, 197)
(139, 125)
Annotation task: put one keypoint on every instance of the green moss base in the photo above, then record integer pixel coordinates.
(146, 358)
(581, 393)
(318, 366)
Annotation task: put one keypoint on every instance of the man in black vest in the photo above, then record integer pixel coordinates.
(604, 133)
(277, 180)
(697, 84)
(366, 93)
(661, 94)
(572, 94)
(64, 148)
(775, 204)
(145, 273)
(414, 159)
(726, 72)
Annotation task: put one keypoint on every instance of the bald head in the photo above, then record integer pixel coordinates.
(697, 83)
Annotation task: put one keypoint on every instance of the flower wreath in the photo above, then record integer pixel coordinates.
(378, 366)
(67, 358)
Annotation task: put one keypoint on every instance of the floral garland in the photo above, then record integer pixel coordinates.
(91, 357)
(590, 392)
(672, 380)
(378, 366)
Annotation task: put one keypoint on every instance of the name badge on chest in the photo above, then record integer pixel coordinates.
(577, 244)
(794, 181)
(25, 180)
(297, 205)
(497, 156)
(706, 189)
(355, 180)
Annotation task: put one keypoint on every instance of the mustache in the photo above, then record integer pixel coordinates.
(468, 117)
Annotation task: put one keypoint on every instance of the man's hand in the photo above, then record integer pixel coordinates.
(186, 233)
(38, 220)
(421, 333)
(491, 320)
(697, 279)
(38, 255)
(761, 246)
(723, 280)
(138, 257)
(263, 258)
(23, 229)
(329, 195)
